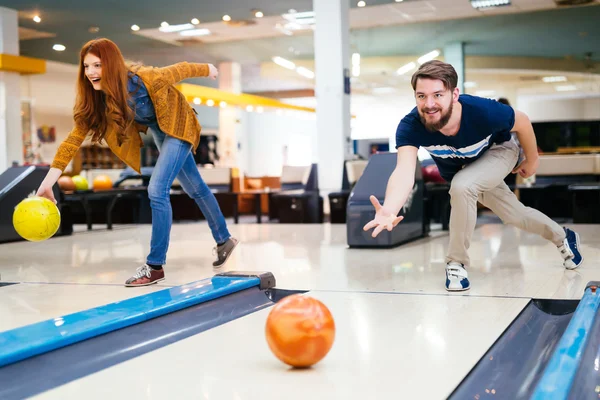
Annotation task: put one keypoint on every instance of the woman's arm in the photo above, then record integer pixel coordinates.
(177, 72)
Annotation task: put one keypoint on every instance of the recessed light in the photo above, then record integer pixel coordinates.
(226, 18)
(195, 21)
(175, 28)
(164, 24)
(259, 14)
(361, 3)
(565, 88)
(477, 4)
(135, 28)
(405, 68)
(58, 47)
(550, 79)
(428, 57)
(223, 104)
(195, 32)
(210, 102)
(284, 63)
(37, 19)
(197, 100)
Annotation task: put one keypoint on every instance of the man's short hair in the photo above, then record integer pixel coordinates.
(438, 70)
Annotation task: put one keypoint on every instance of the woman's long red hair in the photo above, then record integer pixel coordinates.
(98, 110)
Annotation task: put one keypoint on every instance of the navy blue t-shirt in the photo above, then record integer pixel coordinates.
(483, 123)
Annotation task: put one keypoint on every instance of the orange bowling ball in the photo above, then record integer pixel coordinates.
(66, 184)
(102, 182)
(300, 330)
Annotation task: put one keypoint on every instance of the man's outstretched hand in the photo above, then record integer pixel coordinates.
(383, 219)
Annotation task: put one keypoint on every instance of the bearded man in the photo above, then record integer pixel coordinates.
(470, 139)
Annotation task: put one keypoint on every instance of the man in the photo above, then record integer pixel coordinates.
(470, 140)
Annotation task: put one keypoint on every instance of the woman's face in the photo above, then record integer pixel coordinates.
(93, 70)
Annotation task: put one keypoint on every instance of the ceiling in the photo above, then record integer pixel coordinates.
(527, 28)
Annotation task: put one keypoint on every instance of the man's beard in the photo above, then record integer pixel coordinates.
(436, 126)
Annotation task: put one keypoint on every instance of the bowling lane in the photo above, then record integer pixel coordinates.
(27, 303)
(386, 346)
(505, 261)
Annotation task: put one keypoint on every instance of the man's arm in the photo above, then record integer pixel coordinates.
(526, 135)
(399, 185)
(401, 180)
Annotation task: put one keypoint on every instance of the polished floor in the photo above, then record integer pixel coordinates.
(397, 327)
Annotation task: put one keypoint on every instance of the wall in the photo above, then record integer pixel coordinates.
(560, 109)
(271, 139)
(52, 96)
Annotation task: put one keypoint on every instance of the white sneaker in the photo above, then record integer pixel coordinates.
(569, 250)
(457, 278)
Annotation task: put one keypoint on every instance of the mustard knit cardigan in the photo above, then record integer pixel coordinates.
(174, 114)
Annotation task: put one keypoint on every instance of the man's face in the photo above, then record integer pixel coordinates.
(434, 103)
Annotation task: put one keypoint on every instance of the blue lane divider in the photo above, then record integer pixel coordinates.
(31, 340)
(558, 377)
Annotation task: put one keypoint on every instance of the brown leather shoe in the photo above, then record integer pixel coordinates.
(145, 276)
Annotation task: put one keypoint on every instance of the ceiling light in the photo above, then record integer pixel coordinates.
(226, 18)
(58, 47)
(37, 19)
(305, 72)
(399, 1)
(210, 102)
(195, 32)
(361, 4)
(565, 88)
(355, 58)
(164, 24)
(197, 100)
(195, 21)
(428, 57)
(135, 28)
(175, 28)
(223, 104)
(303, 18)
(405, 68)
(259, 109)
(489, 3)
(549, 79)
(249, 108)
(284, 63)
(259, 14)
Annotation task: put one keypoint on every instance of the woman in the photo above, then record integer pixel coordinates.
(114, 103)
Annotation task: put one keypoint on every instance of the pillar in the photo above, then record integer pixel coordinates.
(454, 53)
(332, 81)
(230, 80)
(11, 143)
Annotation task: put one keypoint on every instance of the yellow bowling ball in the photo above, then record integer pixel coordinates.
(36, 219)
(80, 183)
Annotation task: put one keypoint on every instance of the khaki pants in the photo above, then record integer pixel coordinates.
(483, 181)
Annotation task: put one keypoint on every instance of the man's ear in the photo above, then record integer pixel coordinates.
(455, 94)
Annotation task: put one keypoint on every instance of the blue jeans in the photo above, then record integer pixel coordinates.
(176, 160)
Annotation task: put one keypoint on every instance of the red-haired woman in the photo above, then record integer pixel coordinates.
(116, 102)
